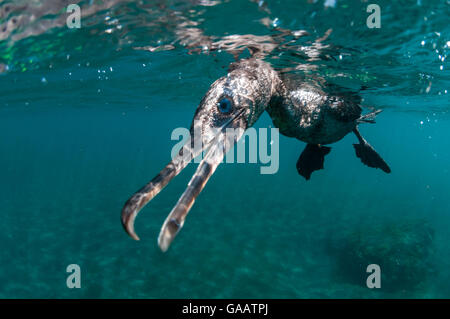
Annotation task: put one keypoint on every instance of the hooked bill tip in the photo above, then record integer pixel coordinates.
(133, 235)
(168, 233)
(163, 245)
(129, 228)
(128, 223)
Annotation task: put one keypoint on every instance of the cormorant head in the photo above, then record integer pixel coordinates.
(232, 104)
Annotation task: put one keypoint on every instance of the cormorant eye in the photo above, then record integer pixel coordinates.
(225, 105)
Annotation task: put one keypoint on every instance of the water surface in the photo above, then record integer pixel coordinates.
(86, 117)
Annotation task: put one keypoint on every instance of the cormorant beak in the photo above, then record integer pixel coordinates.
(215, 149)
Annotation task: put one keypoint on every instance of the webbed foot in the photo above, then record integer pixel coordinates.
(368, 155)
(311, 159)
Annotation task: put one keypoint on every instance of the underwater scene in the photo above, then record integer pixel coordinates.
(342, 190)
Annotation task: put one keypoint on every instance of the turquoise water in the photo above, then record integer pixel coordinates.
(86, 120)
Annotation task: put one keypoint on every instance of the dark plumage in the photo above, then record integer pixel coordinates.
(299, 107)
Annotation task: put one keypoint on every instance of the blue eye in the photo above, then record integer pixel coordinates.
(225, 105)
